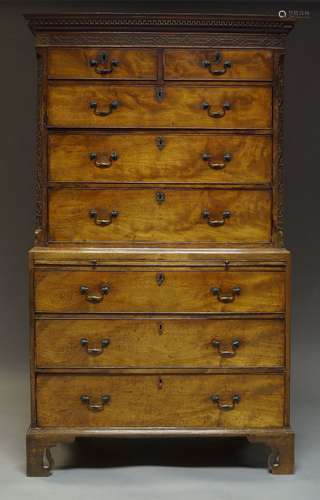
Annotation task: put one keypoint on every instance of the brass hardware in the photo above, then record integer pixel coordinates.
(216, 114)
(161, 328)
(160, 143)
(94, 351)
(100, 63)
(160, 94)
(217, 60)
(226, 299)
(226, 214)
(226, 354)
(216, 166)
(160, 278)
(94, 106)
(160, 197)
(160, 383)
(226, 265)
(94, 264)
(93, 214)
(95, 299)
(105, 399)
(215, 398)
(105, 161)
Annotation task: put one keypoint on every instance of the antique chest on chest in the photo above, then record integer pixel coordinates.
(159, 284)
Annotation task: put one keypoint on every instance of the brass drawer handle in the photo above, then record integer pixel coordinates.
(93, 214)
(106, 161)
(99, 64)
(94, 351)
(216, 166)
(226, 214)
(217, 60)
(216, 114)
(105, 399)
(95, 299)
(215, 398)
(225, 298)
(94, 106)
(226, 354)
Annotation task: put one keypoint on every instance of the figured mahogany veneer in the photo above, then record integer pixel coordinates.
(159, 342)
(140, 290)
(90, 63)
(160, 216)
(160, 157)
(160, 400)
(138, 106)
(160, 296)
(215, 65)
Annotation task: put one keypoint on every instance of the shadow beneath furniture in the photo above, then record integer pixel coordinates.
(99, 452)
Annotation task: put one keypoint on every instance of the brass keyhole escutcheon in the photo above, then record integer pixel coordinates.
(160, 278)
(160, 143)
(160, 197)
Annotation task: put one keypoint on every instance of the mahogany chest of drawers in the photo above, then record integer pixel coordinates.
(160, 288)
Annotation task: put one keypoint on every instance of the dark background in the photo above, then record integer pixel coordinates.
(17, 194)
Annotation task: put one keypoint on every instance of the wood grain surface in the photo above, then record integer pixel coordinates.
(138, 107)
(140, 160)
(159, 343)
(141, 218)
(137, 290)
(74, 63)
(183, 64)
(164, 400)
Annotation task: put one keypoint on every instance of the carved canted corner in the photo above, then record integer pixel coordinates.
(38, 233)
(280, 166)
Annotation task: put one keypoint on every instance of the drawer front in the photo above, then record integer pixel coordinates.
(110, 63)
(170, 400)
(156, 215)
(168, 290)
(142, 158)
(211, 64)
(137, 106)
(146, 343)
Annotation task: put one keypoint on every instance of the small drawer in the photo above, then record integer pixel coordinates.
(146, 158)
(174, 290)
(148, 215)
(228, 401)
(159, 342)
(218, 64)
(99, 63)
(96, 105)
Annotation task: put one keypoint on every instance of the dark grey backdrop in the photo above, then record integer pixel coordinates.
(17, 194)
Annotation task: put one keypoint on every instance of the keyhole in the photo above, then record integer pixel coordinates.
(160, 383)
(161, 329)
(104, 57)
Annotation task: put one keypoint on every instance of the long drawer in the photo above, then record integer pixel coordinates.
(230, 401)
(139, 289)
(149, 343)
(160, 215)
(147, 106)
(145, 157)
